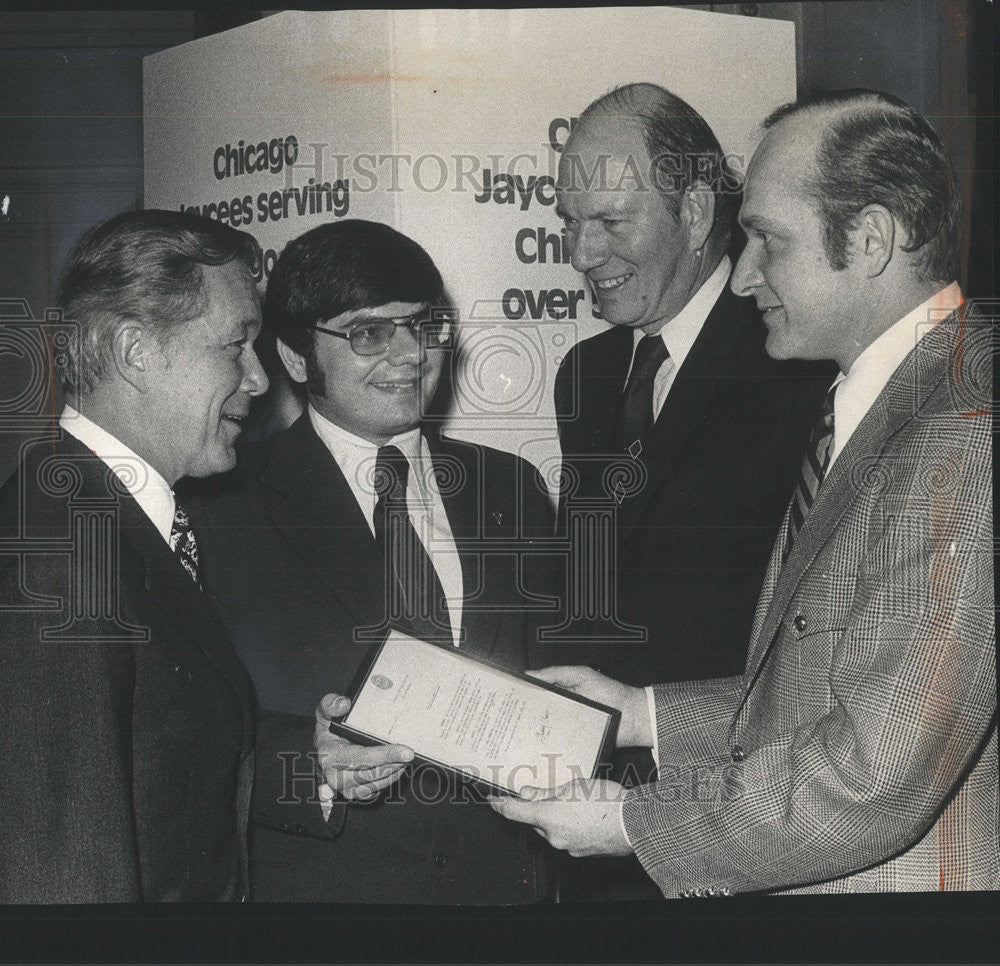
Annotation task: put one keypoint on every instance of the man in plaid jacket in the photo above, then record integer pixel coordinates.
(858, 751)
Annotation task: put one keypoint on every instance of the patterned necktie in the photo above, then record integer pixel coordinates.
(183, 543)
(415, 599)
(635, 411)
(814, 466)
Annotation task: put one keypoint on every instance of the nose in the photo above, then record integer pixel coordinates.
(405, 348)
(590, 247)
(746, 275)
(255, 381)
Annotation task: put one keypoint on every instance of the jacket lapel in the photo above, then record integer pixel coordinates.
(693, 391)
(173, 590)
(469, 517)
(312, 506)
(145, 557)
(906, 391)
(600, 387)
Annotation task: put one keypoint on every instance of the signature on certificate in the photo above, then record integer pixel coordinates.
(544, 726)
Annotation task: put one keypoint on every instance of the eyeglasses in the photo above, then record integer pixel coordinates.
(371, 337)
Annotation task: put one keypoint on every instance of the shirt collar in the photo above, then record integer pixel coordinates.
(147, 486)
(680, 332)
(858, 388)
(351, 451)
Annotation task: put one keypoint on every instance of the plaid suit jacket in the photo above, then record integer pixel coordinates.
(858, 752)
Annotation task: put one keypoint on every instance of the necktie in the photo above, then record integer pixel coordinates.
(814, 466)
(415, 599)
(635, 411)
(183, 543)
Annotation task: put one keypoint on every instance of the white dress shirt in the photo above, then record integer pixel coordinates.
(680, 332)
(857, 391)
(149, 489)
(356, 458)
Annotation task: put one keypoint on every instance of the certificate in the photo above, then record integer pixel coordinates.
(496, 726)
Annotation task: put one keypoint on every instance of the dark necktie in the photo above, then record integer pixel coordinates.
(635, 411)
(814, 466)
(415, 599)
(183, 543)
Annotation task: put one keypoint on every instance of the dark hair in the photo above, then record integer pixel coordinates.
(145, 266)
(682, 147)
(340, 267)
(877, 150)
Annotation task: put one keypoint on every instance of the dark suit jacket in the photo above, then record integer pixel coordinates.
(288, 555)
(693, 539)
(125, 715)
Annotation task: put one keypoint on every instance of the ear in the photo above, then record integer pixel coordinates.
(875, 238)
(292, 361)
(132, 348)
(698, 214)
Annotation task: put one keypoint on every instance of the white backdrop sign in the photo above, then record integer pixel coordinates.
(446, 124)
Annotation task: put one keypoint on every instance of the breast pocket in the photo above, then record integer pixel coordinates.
(799, 675)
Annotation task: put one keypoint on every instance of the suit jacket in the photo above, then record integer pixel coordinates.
(295, 569)
(858, 751)
(126, 722)
(704, 499)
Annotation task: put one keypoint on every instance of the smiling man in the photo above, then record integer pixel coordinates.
(679, 396)
(857, 751)
(301, 555)
(127, 719)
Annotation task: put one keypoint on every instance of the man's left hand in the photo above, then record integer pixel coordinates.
(353, 772)
(581, 817)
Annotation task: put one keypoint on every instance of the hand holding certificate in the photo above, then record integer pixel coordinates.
(504, 729)
(353, 772)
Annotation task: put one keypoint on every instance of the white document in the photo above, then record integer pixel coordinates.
(478, 719)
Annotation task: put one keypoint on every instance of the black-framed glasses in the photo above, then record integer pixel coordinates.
(371, 337)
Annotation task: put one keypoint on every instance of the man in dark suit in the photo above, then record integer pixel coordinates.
(674, 421)
(713, 428)
(127, 724)
(295, 553)
(857, 751)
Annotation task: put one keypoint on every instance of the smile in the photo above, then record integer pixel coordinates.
(397, 388)
(605, 284)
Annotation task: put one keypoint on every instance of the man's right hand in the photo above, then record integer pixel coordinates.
(353, 772)
(635, 730)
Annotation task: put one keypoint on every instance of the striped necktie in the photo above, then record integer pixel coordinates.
(183, 543)
(415, 599)
(815, 463)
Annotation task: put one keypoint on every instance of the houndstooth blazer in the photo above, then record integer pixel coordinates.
(858, 752)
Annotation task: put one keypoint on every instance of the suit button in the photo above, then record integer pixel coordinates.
(800, 623)
(301, 830)
(738, 754)
(440, 860)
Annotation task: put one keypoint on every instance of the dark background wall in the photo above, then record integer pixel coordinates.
(71, 120)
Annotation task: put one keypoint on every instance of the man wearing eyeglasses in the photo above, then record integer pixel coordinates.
(296, 554)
